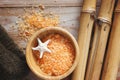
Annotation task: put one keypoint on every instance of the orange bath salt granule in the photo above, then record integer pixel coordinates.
(30, 23)
(61, 58)
(42, 20)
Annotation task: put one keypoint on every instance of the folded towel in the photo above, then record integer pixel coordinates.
(11, 66)
(12, 60)
(9, 44)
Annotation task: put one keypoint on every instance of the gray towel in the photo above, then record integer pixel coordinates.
(12, 61)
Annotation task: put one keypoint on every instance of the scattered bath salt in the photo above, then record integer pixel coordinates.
(61, 58)
(31, 22)
(41, 20)
(42, 7)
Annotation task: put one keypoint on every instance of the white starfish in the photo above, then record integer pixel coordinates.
(42, 47)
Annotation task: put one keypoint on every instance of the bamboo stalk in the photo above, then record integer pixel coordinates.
(100, 40)
(92, 52)
(84, 36)
(112, 59)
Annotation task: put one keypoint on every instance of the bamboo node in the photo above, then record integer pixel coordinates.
(93, 14)
(90, 10)
(117, 10)
(103, 20)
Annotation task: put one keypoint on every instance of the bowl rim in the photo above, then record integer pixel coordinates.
(75, 60)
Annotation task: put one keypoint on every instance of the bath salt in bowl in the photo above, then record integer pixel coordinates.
(61, 58)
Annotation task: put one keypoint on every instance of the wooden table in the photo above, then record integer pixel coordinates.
(68, 10)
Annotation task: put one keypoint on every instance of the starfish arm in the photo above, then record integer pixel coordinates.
(35, 48)
(39, 41)
(48, 50)
(47, 42)
(41, 54)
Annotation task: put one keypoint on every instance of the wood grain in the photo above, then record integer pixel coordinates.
(29, 3)
(69, 17)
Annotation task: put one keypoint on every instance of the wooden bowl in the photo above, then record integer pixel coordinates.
(31, 59)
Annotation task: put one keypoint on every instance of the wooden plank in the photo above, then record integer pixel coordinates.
(29, 3)
(56, 10)
(68, 19)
